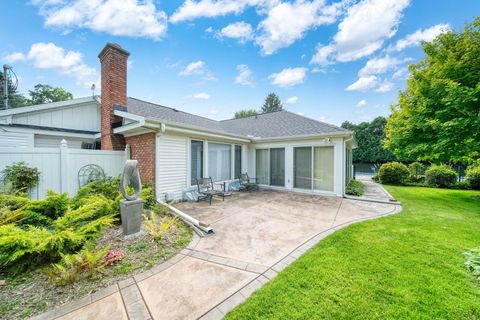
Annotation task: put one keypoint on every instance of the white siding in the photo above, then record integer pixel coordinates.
(44, 141)
(171, 165)
(81, 117)
(9, 139)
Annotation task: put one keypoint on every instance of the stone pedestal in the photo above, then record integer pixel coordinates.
(131, 215)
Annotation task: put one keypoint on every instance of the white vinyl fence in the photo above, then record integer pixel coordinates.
(59, 166)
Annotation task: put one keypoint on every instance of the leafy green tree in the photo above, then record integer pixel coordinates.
(43, 93)
(272, 103)
(437, 117)
(369, 137)
(245, 113)
(15, 99)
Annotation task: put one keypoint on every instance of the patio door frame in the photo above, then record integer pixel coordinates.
(269, 169)
(312, 169)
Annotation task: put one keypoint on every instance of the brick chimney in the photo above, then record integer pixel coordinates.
(113, 60)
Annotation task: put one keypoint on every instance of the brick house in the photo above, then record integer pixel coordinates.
(283, 150)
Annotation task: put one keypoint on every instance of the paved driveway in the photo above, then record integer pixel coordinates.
(257, 234)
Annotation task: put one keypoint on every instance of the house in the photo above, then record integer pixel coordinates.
(283, 150)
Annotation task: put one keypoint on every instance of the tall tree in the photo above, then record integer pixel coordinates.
(245, 113)
(437, 117)
(369, 137)
(43, 93)
(272, 103)
(15, 99)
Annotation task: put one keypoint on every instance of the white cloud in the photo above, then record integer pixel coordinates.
(364, 84)
(244, 75)
(201, 96)
(120, 18)
(191, 9)
(241, 31)
(292, 100)
(198, 68)
(362, 103)
(363, 31)
(14, 57)
(400, 73)
(209, 30)
(369, 83)
(420, 35)
(379, 65)
(288, 77)
(49, 56)
(384, 86)
(288, 22)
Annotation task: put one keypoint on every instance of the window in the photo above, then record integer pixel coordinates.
(323, 168)
(219, 161)
(277, 167)
(261, 162)
(302, 169)
(238, 161)
(196, 155)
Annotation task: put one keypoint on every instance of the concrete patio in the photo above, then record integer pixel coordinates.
(257, 234)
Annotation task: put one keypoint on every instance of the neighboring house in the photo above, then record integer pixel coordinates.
(283, 150)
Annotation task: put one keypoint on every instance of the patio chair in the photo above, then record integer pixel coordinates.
(247, 183)
(207, 190)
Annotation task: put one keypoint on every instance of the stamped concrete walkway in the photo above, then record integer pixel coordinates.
(256, 235)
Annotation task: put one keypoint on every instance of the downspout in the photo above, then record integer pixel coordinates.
(201, 228)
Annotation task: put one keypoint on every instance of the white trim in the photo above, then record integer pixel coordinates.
(48, 132)
(128, 115)
(46, 106)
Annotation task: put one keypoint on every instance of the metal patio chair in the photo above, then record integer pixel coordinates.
(207, 191)
(247, 183)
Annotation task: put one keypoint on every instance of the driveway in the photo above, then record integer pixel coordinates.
(257, 234)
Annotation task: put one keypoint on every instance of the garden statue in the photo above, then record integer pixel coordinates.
(131, 208)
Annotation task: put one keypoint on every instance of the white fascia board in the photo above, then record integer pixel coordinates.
(198, 130)
(49, 132)
(303, 137)
(46, 106)
(128, 115)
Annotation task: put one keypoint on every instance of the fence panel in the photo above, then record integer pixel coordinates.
(59, 166)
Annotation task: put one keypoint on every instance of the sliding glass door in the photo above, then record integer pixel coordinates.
(323, 168)
(261, 163)
(219, 161)
(277, 167)
(313, 168)
(196, 161)
(238, 161)
(302, 168)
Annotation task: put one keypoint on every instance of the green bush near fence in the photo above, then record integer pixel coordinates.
(393, 173)
(355, 188)
(440, 176)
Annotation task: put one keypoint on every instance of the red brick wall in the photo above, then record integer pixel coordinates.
(113, 60)
(142, 148)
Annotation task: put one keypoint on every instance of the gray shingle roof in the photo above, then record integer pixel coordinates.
(267, 125)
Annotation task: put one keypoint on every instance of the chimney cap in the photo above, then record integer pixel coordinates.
(113, 46)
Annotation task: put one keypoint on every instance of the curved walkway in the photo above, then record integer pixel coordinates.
(257, 235)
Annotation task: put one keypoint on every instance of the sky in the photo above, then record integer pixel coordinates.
(328, 60)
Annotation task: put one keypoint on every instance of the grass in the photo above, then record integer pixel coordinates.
(405, 266)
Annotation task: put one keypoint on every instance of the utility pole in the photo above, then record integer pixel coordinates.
(6, 69)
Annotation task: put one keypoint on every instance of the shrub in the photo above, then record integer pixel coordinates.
(473, 176)
(21, 176)
(473, 262)
(27, 245)
(440, 176)
(415, 169)
(354, 188)
(159, 225)
(393, 173)
(53, 206)
(86, 263)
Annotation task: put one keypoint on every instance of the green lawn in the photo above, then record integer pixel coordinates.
(406, 266)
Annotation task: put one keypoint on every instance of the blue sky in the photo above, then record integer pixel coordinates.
(328, 60)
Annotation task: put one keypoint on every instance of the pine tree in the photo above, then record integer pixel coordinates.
(272, 103)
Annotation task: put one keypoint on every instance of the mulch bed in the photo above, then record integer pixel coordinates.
(32, 292)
